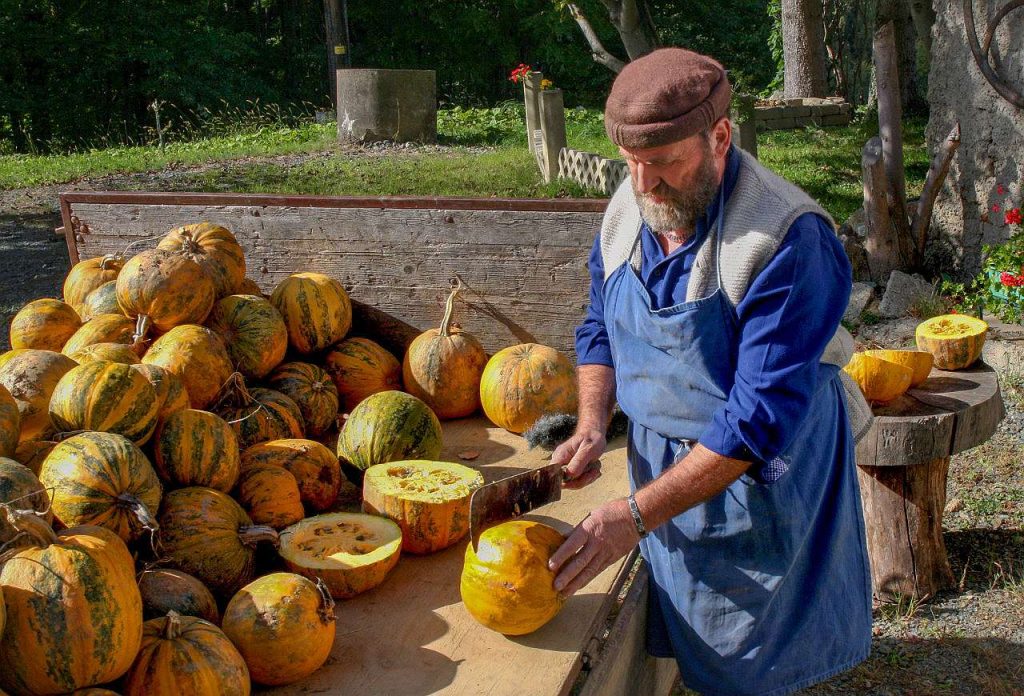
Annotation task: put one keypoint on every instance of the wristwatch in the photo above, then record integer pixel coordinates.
(637, 519)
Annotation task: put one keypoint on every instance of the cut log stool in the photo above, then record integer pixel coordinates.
(902, 464)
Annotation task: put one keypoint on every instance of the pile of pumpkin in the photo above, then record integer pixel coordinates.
(948, 342)
(165, 419)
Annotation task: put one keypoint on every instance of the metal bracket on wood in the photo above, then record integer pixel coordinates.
(981, 52)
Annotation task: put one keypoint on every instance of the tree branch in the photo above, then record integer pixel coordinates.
(932, 184)
(597, 50)
(882, 253)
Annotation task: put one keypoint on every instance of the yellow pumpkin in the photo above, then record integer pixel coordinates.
(879, 379)
(955, 340)
(21, 490)
(102, 328)
(429, 500)
(253, 331)
(197, 357)
(170, 392)
(214, 249)
(443, 368)
(361, 368)
(919, 362)
(163, 289)
(524, 382)
(10, 424)
(316, 310)
(506, 584)
(105, 397)
(88, 275)
(314, 466)
(113, 352)
(283, 624)
(270, 494)
(102, 300)
(350, 552)
(44, 324)
(31, 376)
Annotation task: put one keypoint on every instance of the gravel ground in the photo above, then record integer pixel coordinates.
(968, 640)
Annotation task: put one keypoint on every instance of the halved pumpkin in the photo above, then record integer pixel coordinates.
(350, 552)
(429, 500)
(920, 362)
(880, 380)
(955, 340)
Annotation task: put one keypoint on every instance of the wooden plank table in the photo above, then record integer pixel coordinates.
(902, 465)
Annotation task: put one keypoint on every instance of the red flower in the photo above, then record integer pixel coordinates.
(519, 73)
(1000, 190)
(1006, 279)
(996, 208)
(1013, 217)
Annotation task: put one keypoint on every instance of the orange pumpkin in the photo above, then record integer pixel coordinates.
(524, 382)
(214, 249)
(20, 489)
(106, 397)
(197, 448)
(169, 644)
(506, 584)
(72, 605)
(443, 367)
(102, 328)
(880, 380)
(258, 415)
(270, 495)
(316, 310)
(313, 465)
(31, 376)
(164, 590)
(10, 423)
(112, 352)
(253, 332)
(102, 300)
(32, 453)
(429, 500)
(88, 275)
(360, 368)
(919, 362)
(44, 324)
(162, 289)
(312, 390)
(955, 340)
(170, 392)
(283, 624)
(249, 287)
(197, 357)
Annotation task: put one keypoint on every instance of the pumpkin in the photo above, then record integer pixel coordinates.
(919, 362)
(10, 423)
(360, 368)
(258, 415)
(102, 479)
(9, 355)
(94, 692)
(186, 656)
(112, 352)
(253, 332)
(954, 340)
(102, 300)
(44, 324)
(880, 380)
(350, 552)
(21, 490)
(207, 534)
(32, 453)
(429, 500)
(197, 448)
(30, 377)
(102, 328)
(170, 392)
(312, 390)
(506, 584)
(197, 357)
(162, 289)
(214, 249)
(249, 287)
(106, 397)
(387, 427)
(283, 624)
(316, 310)
(314, 466)
(270, 495)
(74, 615)
(86, 276)
(165, 589)
(443, 367)
(524, 382)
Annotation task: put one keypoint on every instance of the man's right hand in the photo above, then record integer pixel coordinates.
(579, 455)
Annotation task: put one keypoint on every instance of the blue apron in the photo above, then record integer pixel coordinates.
(765, 588)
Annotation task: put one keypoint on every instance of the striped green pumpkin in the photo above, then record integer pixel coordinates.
(102, 300)
(166, 589)
(164, 289)
(258, 415)
(105, 397)
(387, 427)
(316, 310)
(44, 324)
(361, 367)
(253, 332)
(102, 479)
(313, 391)
(113, 352)
(170, 392)
(21, 489)
(270, 495)
(197, 357)
(31, 376)
(197, 448)
(102, 328)
(10, 423)
(314, 466)
(85, 276)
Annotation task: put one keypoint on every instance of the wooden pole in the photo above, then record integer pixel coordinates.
(552, 119)
(332, 27)
(531, 98)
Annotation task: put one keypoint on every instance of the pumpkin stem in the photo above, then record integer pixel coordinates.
(449, 306)
(139, 337)
(233, 392)
(29, 523)
(109, 258)
(172, 627)
(141, 513)
(326, 609)
(254, 534)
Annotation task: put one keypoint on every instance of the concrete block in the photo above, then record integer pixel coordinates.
(835, 120)
(827, 110)
(377, 104)
(770, 112)
(860, 297)
(782, 124)
(798, 111)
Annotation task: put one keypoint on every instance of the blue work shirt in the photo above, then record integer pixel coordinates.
(785, 321)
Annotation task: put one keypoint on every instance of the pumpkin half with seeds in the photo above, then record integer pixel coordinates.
(955, 340)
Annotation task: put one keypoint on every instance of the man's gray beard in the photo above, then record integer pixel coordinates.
(682, 209)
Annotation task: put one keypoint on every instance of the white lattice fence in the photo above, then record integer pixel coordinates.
(590, 170)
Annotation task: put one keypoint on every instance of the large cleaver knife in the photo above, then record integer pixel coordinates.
(513, 496)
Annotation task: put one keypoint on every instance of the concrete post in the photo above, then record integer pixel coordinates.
(744, 130)
(552, 115)
(531, 98)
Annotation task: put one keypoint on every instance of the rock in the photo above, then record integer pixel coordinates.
(860, 296)
(851, 234)
(954, 505)
(902, 292)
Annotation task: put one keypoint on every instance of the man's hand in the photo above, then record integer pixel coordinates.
(603, 537)
(579, 455)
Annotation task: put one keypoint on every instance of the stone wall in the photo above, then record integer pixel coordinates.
(987, 171)
(799, 113)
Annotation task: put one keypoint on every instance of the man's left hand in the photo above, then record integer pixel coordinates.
(603, 537)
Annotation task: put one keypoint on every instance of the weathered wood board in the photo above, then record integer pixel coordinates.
(523, 263)
(412, 635)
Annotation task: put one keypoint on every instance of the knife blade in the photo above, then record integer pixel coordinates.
(513, 496)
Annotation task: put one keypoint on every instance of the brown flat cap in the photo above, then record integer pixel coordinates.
(665, 96)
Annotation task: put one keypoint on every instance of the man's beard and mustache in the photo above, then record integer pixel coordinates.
(680, 210)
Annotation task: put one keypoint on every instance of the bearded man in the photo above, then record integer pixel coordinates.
(717, 290)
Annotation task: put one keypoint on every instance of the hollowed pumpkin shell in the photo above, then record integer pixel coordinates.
(360, 368)
(350, 552)
(524, 382)
(44, 324)
(429, 500)
(388, 427)
(506, 584)
(316, 310)
(955, 340)
(197, 448)
(105, 397)
(314, 467)
(919, 362)
(880, 380)
(165, 589)
(214, 249)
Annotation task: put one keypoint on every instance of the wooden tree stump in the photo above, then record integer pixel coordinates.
(903, 463)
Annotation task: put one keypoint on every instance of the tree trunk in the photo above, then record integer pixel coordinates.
(924, 18)
(803, 49)
(632, 19)
(333, 38)
(899, 13)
